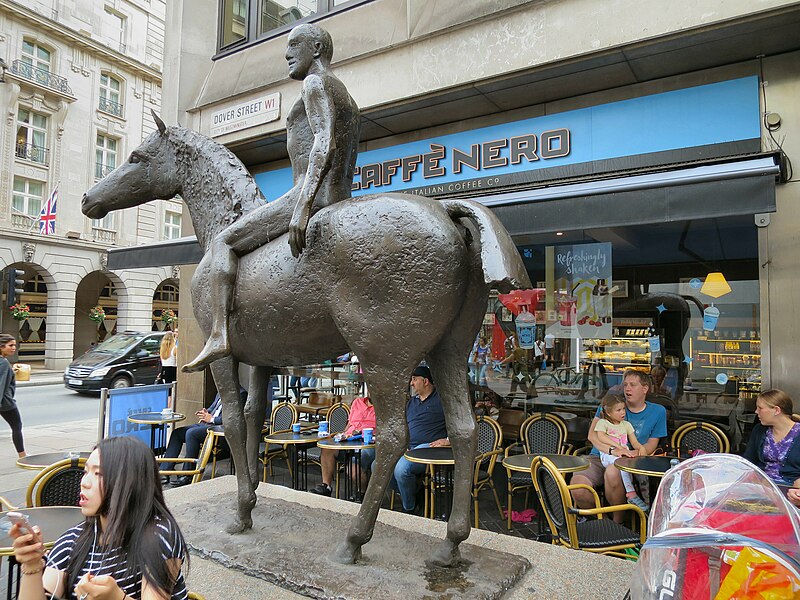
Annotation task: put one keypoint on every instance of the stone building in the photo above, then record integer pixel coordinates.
(665, 132)
(79, 79)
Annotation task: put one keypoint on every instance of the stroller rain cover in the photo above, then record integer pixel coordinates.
(719, 529)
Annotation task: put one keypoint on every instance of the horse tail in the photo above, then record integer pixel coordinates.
(502, 265)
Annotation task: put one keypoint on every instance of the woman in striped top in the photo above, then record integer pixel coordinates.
(128, 547)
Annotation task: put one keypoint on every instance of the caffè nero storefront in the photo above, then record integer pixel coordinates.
(638, 223)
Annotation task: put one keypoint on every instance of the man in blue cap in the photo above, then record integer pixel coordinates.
(426, 429)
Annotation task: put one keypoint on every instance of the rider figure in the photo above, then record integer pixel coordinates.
(322, 132)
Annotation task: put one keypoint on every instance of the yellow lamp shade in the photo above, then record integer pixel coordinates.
(715, 285)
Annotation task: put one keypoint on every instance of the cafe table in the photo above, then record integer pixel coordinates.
(565, 463)
(52, 520)
(350, 449)
(37, 462)
(158, 423)
(298, 444)
(434, 458)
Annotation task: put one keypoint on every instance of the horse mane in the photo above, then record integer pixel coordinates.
(217, 187)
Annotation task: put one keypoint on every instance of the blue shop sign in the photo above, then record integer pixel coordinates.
(557, 145)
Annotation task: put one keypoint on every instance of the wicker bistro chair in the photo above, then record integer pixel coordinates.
(284, 415)
(490, 446)
(601, 535)
(336, 416)
(57, 485)
(200, 462)
(699, 435)
(541, 433)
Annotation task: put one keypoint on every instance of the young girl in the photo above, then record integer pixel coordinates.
(128, 547)
(614, 432)
(168, 351)
(8, 387)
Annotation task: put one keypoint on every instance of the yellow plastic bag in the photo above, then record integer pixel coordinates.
(22, 372)
(758, 576)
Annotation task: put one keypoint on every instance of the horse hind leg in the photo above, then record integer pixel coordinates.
(255, 412)
(226, 376)
(448, 365)
(387, 387)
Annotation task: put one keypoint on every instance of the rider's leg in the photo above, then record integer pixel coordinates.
(241, 237)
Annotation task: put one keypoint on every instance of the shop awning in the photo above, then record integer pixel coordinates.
(745, 187)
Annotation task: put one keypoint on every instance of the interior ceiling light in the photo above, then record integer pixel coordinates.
(559, 233)
(715, 285)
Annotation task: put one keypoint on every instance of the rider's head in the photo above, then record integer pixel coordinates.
(307, 43)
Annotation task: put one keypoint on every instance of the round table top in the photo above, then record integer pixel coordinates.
(748, 418)
(40, 461)
(307, 436)
(331, 444)
(155, 418)
(52, 520)
(565, 463)
(443, 455)
(566, 416)
(652, 466)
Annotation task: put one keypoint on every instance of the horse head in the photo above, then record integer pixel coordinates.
(148, 174)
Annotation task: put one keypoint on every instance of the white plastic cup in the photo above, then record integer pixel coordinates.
(323, 429)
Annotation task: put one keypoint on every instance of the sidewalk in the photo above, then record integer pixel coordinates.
(60, 437)
(42, 376)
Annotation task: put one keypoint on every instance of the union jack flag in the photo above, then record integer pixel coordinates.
(47, 218)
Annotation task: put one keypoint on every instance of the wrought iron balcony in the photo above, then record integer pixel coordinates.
(111, 107)
(41, 76)
(37, 154)
(101, 170)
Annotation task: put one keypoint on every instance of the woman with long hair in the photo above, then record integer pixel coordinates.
(774, 444)
(169, 360)
(8, 388)
(129, 545)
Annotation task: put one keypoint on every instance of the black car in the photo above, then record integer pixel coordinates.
(124, 360)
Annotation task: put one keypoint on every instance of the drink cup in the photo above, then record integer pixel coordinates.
(710, 318)
(295, 427)
(166, 413)
(367, 435)
(323, 429)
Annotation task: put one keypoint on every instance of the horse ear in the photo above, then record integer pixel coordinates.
(159, 123)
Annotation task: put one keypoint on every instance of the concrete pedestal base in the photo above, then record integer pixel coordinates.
(295, 533)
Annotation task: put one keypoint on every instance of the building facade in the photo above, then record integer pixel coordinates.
(79, 80)
(660, 136)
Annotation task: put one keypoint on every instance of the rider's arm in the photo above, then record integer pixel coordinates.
(321, 112)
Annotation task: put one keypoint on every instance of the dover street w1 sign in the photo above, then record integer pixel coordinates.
(247, 114)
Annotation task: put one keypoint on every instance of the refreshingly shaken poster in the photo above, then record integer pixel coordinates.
(582, 282)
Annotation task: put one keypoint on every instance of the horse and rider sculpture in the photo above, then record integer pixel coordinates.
(395, 278)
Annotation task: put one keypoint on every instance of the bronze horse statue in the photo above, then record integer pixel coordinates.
(394, 278)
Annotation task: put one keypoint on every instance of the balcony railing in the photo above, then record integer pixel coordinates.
(41, 76)
(101, 170)
(105, 236)
(37, 154)
(23, 221)
(109, 106)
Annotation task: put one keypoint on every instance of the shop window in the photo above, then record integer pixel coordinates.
(31, 139)
(105, 153)
(172, 225)
(110, 95)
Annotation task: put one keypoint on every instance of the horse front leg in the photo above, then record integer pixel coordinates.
(226, 376)
(447, 366)
(388, 395)
(255, 411)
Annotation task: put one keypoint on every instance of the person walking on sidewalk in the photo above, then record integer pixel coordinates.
(8, 387)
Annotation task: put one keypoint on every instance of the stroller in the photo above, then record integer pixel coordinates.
(720, 529)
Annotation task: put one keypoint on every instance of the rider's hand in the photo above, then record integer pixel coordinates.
(297, 227)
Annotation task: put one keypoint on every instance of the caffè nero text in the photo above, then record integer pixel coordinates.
(476, 158)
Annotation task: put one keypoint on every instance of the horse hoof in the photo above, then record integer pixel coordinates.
(239, 526)
(446, 555)
(346, 554)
